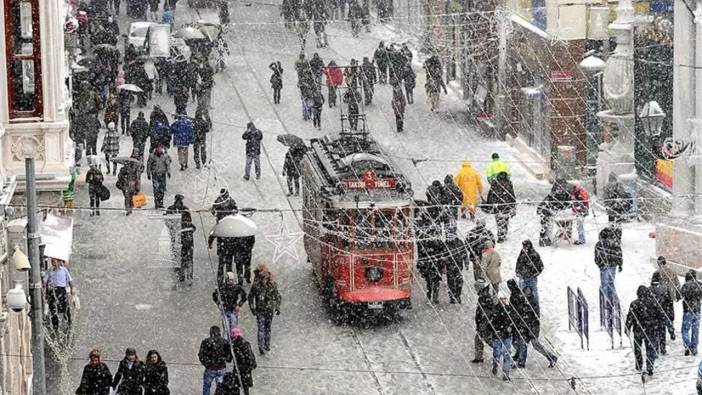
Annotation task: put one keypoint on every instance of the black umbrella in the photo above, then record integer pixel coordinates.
(88, 62)
(290, 140)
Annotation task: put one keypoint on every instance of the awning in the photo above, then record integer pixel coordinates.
(57, 235)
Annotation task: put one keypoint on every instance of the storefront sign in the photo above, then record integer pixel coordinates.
(561, 75)
(664, 172)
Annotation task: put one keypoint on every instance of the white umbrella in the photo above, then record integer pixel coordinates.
(130, 87)
(235, 225)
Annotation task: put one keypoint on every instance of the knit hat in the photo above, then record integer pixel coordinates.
(236, 332)
(111, 125)
(661, 260)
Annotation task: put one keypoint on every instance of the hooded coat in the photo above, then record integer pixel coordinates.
(529, 262)
(182, 130)
(501, 195)
(691, 293)
(452, 194)
(129, 381)
(470, 183)
(527, 322)
(490, 264)
(483, 312)
(475, 242)
(642, 317)
(253, 138)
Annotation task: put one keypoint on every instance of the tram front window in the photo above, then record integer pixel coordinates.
(374, 228)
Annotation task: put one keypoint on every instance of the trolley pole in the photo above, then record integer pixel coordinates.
(37, 317)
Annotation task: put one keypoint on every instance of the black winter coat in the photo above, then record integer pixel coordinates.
(663, 303)
(527, 321)
(245, 361)
(503, 319)
(452, 194)
(253, 139)
(608, 253)
(156, 379)
(691, 293)
(96, 380)
(139, 131)
(214, 353)
(529, 264)
(642, 316)
(501, 195)
(427, 263)
(232, 296)
(130, 381)
(202, 126)
(457, 256)
(291, 167)
(483, 311)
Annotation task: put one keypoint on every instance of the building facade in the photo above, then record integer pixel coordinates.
(33, 118)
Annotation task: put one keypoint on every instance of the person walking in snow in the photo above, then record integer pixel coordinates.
(398, 107)
(661, 307)
(240, 379)
(527, 324)
(264, 301)
(201, 127)
(669, 281)
(484, 310)
(155, 375)
(334, 79)
(182, 130)
(501, 197)
(529, 267)
(94, 179)
(475, 243)
(129, 379)
(253, 138)
(489, 268)
(229, 297)
(502, 323)
(471, 185)
(608, 258)
(691, 293)
(96, 378)
(276, 80)
(214, 354)
(455, 260)
(641, 320)
(291, 170)
(451, 198)
(380, 58)
(158, 169)
(110, 147)
(317, 106)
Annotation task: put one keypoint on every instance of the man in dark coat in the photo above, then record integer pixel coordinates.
(428, 263)
(253, 138)
(691, 293)
(225, 252)
(434, 195)
(243, 252)
(455, 259)
(240, 379)
(96, 378)
(368, 79)
(501, 196)
(451, 197)
(642, 320)
(529, 267)
(224, 205)
(608, 258)
(503, 326)
(264, 301)
(475, 242)
(527, 323)
(230, 296)
(483, 311)
(663, 309)
(91, 125)
(129, 379)
(213, 355)
(139, 130)
(202, 126)
(380, 57)
(398, 104)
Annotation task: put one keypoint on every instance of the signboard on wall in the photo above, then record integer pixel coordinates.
(664, 172)
(561, 75)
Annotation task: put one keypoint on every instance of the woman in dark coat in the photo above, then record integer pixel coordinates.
(155, 375)
(129, 182)
(501, 197)
(96, 378)
(94, 179)
(129, 379)
(276, 80)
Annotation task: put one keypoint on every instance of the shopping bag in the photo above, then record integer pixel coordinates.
(139, 200)
(104, 193)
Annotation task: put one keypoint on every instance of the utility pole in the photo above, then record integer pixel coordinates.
(500, 111)
(39, 378)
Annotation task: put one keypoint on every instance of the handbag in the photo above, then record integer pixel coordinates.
(139, 200)
(103, 193)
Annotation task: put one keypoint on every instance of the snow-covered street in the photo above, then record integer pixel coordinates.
(127, 286)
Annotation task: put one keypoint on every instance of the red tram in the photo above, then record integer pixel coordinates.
(357, 215)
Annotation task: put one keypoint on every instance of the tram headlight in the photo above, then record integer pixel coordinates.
(374, 273)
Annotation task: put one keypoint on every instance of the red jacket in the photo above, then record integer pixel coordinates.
(335, 77)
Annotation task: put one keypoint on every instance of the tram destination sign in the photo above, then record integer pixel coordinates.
(368, 180)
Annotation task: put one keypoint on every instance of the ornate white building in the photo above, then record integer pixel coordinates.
(32, 109)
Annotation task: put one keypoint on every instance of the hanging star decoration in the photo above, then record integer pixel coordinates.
(284, 243)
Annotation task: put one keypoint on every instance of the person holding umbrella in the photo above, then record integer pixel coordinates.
(291, 169)
(182, 130)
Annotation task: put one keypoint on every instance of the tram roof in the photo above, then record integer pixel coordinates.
(341, 161)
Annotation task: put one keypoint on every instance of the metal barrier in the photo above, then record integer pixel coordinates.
(612, 323)
(578, 316)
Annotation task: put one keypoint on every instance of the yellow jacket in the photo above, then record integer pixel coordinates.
(470, 183)
(496, 167)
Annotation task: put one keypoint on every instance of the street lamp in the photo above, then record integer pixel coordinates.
(592, 64)
(651, 116)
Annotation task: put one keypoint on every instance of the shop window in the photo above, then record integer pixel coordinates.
(22, 45)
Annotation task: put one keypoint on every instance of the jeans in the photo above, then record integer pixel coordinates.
(607, 276)
(650, 341)
(124, 121)
(580, 225)
(263, 321)
(276, 95)
(231, 320)
(293, 181)
(209, 376)
(257, 164)
(94, 201)
(128, 195)
(159, 183)
(501, 349)
(690, 330)
(531, 283)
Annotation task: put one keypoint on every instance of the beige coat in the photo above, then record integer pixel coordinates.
(670, 281)
(490, 264)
